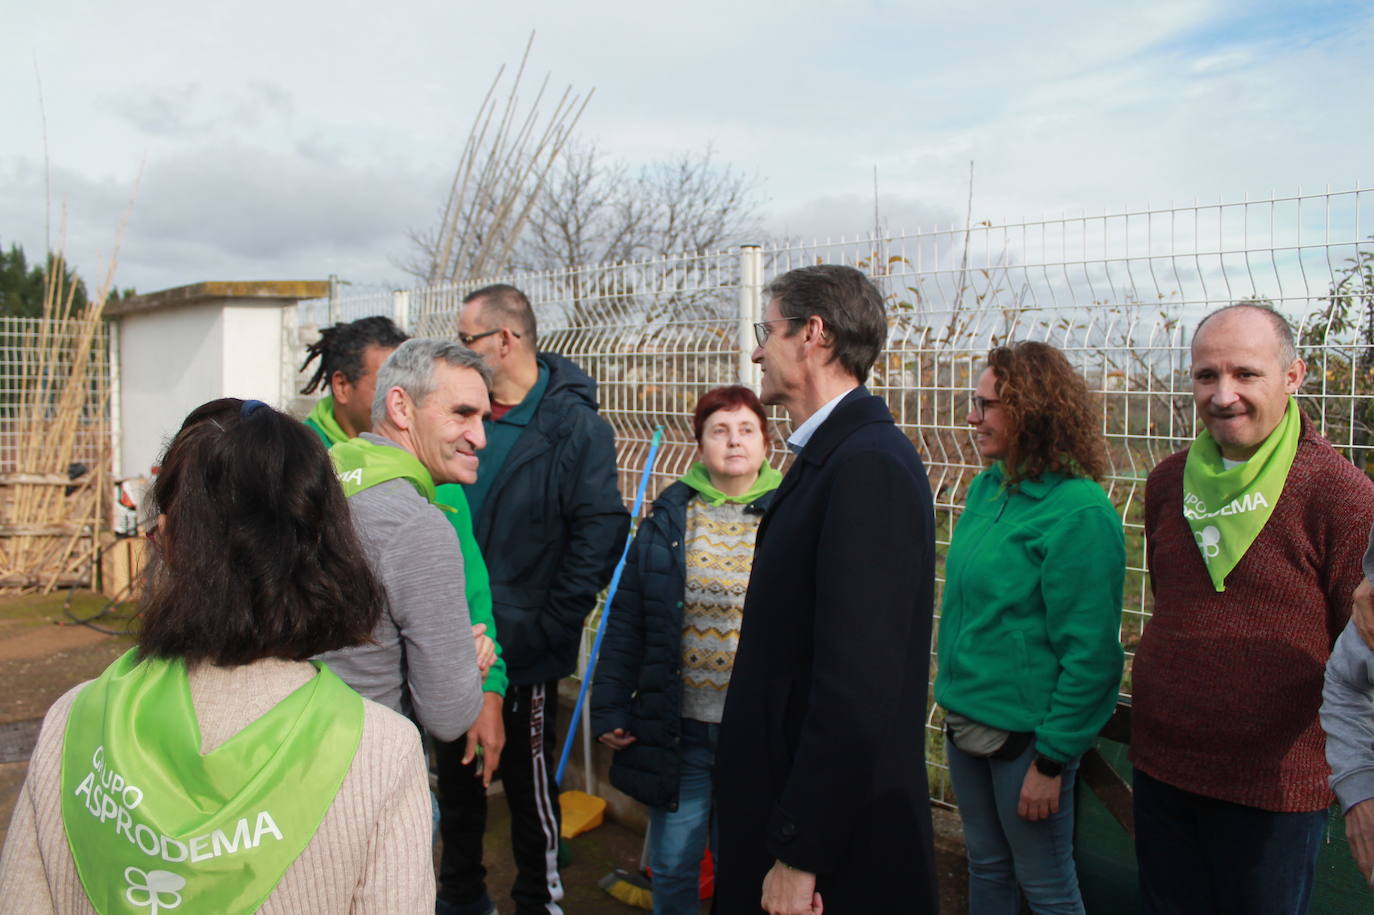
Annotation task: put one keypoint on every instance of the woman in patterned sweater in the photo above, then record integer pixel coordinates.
(670, 641)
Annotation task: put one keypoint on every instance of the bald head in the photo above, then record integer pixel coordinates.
(1278, 324)
(1245, 367)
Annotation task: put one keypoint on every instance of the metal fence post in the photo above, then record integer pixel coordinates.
(400, 309)
(116, 415)
(333, 298)
(750, 310)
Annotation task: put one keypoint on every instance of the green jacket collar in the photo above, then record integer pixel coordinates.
(321, 418)
(1037, 488)
(522, 413)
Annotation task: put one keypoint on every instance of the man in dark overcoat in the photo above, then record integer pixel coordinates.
(820, 774)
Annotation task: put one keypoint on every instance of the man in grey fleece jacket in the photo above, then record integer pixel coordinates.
(1348, 718)
(427, 421)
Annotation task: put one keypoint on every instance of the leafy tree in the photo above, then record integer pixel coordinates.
(21, 285)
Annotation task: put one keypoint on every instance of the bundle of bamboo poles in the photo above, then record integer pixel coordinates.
(51, 513)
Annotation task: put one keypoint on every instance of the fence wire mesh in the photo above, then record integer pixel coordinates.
(36, 358)
(1120, 293)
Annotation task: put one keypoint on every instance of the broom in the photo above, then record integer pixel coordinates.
(579, 801)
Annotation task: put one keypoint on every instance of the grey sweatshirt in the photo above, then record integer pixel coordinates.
(423, 663)
(1348, 711)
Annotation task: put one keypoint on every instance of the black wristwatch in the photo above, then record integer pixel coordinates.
(1048, 767)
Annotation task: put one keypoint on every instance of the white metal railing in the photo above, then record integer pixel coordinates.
(35, 359)
(1118, 292)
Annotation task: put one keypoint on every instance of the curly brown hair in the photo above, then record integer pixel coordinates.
(1053, 419)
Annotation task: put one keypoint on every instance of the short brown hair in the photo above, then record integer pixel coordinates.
(731, 397)
(257, 557)
(1053, 417)
(509, 306)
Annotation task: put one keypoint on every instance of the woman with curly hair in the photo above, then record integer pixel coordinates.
(1029, 649)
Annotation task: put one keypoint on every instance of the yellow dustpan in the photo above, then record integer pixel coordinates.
(582, 812)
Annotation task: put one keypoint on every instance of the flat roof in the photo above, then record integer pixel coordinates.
(198, 293)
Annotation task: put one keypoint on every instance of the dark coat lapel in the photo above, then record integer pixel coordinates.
(858, 408)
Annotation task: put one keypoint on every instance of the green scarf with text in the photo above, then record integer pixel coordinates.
(1227, 509)
(362, 464)
(155, 825)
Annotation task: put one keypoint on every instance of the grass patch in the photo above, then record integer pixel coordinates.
(22, 612)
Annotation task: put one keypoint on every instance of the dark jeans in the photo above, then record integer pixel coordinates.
(1198, 854)
(527, 769)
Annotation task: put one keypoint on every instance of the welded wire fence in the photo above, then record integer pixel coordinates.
(35, 361)
(1120, 293)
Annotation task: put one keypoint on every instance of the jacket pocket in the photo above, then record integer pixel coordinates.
(519, 628)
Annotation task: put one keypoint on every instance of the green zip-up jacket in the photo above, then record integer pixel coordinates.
(476, 582)
(1029, 634)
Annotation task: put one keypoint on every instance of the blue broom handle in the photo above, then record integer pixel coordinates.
(606, 607)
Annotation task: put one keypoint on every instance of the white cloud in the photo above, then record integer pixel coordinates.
(304, 139)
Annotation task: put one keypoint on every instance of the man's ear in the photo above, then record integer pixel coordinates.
(815, 333)
(400, 409)
(1293, 376)
(340, 387)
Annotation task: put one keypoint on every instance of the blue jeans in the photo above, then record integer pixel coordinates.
(677, 838)
(1008, 855)
(1199, 854)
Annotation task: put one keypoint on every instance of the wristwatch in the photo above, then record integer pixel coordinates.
(1047, 767)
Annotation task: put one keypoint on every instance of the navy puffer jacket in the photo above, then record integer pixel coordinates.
(552, 528)
(638, 681)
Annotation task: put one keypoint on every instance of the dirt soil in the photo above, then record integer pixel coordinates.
(43, 653)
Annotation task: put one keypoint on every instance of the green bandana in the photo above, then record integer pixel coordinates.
(361, 465)
(699, 478)
(321, 419)
(1227, 509)
(154, 825)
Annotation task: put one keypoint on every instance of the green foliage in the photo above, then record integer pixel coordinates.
(1337, 340)
(21, 285)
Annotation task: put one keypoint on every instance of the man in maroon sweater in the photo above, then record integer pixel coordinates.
(1230, 772)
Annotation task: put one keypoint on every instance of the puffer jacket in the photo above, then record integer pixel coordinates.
(638, 681)
(552, 527)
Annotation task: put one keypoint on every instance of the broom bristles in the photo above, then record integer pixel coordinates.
(628, 888)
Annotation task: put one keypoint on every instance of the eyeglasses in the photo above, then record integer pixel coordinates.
(978, 406)
(469, 339)
(762, 331)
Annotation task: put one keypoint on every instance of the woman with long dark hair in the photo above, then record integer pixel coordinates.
(214, 768)
(670, 641)
(1029, 650)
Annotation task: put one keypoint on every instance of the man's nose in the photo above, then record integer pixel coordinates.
(477, 436)
(757, 354)
(1225, 393)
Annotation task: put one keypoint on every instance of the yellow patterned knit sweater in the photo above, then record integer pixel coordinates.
(720, 552)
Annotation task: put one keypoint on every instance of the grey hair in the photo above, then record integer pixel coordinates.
(1283, 331)
(848, 303)
(411, 368)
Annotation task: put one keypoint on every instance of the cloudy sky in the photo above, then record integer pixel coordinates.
(295, 139)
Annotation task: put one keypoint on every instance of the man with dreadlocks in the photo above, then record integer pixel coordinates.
(350, 356)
